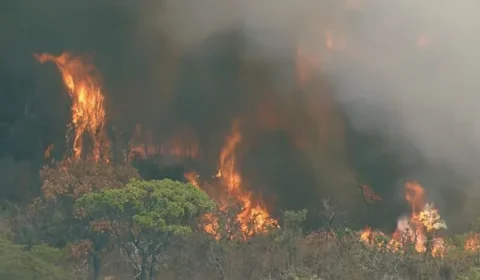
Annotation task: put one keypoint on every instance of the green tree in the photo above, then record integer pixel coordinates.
(39, 263)
(56, 222)
(145, 217)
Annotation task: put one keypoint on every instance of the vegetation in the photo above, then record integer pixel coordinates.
(119, 226)
(144, 218)
(39, 262)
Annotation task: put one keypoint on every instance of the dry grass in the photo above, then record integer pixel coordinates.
(297, 257)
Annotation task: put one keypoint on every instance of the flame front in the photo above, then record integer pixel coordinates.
(253, 218)
(424, 221)
(88, 112)
(419, 229)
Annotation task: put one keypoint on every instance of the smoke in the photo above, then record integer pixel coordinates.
(413, 82)
(425, 94)
(402, 72)
(408, 72)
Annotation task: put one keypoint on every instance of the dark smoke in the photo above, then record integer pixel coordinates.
(167, 64)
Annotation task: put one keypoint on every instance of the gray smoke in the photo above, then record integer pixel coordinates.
(408, 71)
(404, 70)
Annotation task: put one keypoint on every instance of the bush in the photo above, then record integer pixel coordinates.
(41, 262)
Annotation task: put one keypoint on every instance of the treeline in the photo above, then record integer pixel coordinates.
(102, 221)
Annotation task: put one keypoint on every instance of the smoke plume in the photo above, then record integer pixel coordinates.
(402, 74)
(407, 72)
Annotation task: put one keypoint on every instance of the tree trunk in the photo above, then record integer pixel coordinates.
(96, 265)
(143, 273)
(151, 273)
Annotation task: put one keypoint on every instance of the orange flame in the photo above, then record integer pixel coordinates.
(424, 221)
(253, 217)
(211, 225)
(472, 243)
(88, 112)
(253, 214)
(417, 229)
(193, 178)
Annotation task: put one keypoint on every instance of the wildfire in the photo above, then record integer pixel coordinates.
(371, 237)
(183, 144)
(141, 145)
(193, 178)
(419, 229)
(88, 112)
(472, 243)
(253, 217)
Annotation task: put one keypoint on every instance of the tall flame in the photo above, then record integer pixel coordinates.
(88, 111)
(253, 218)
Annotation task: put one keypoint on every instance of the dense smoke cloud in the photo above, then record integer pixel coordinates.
(408, 71)
(405, 73)
(425, 94)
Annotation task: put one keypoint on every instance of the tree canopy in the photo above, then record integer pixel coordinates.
(144, 217)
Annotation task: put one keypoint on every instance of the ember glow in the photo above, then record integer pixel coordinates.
(88, 111)
(472, 243)
(183, 144)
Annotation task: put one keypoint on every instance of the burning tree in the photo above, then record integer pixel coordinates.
(82, 81)
(88, 110)
(419, 229)
(252, 217)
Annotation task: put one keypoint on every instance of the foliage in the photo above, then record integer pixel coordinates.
(105, 222)
(472, 274)
(41, 262)
(145, 217)
(52, 218)
(293, 220)
(76, 178)
(62, 185)
(164, 206)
